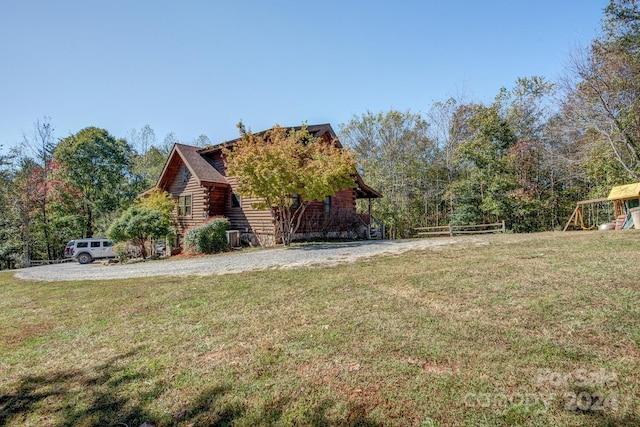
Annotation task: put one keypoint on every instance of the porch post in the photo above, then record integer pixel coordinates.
(369, 225)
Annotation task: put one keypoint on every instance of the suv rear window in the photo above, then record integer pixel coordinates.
(107, 244)
(82, 245)
(95, 244)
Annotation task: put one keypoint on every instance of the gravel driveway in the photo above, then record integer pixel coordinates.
(235, 262)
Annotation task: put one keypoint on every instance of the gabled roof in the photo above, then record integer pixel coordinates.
(202, 170)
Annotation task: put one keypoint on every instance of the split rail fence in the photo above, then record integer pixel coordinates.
(452, 230)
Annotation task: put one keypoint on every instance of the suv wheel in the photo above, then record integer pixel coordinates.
(84, 258)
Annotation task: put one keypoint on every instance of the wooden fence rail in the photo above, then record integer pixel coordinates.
(452, 230)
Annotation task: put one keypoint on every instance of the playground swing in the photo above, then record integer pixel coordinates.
(599, 213)
(578, 216)
(623, 198)
(596, 212)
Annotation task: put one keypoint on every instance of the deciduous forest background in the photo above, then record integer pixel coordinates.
(526, 158)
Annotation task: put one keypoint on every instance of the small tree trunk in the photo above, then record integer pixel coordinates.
(143, 248)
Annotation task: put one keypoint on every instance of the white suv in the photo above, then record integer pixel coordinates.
(86, 250)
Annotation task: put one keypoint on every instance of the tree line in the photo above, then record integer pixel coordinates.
(54, 190)
(525, 158)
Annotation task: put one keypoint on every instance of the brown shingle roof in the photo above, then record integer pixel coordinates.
(202, 170)
(199, 167)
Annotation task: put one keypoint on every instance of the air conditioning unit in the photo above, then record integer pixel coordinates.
(233, 238)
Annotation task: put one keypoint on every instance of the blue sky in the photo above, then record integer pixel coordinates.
(194, 67)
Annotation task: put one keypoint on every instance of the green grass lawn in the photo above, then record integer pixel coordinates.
(539, 329)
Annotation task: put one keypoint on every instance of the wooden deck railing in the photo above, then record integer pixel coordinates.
(452, 230)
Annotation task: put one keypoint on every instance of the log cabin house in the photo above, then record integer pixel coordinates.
(196, 178)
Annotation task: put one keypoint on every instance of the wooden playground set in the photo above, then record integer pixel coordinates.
(608, 213)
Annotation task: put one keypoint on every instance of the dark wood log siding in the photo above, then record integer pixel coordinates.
(315, 217)
(218, 200)
(247, 218)
(244, 218)
(199, 199)
(261, 221)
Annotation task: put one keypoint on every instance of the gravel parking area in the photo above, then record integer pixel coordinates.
(234, 262)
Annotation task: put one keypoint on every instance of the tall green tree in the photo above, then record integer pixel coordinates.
(448, 129)
(168, 142)
(396, 156)
(42, 143)
(202, 141)
(24, 195)
(604, 96)
(97, 166)
(509, 163)
(528, 107)
(487, 180)
(66, 216)
(142, 140)
(10, 237)
(148, 158)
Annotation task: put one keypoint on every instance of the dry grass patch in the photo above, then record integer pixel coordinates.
(517, 330)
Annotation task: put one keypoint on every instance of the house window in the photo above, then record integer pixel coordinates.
(186, 175)
(236, 200)
(295, 201)
(184, 205)
(327, 204)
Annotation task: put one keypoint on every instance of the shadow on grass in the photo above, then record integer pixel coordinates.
(120, 391)
(93, 397)
(206, 411)
(116, 393)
